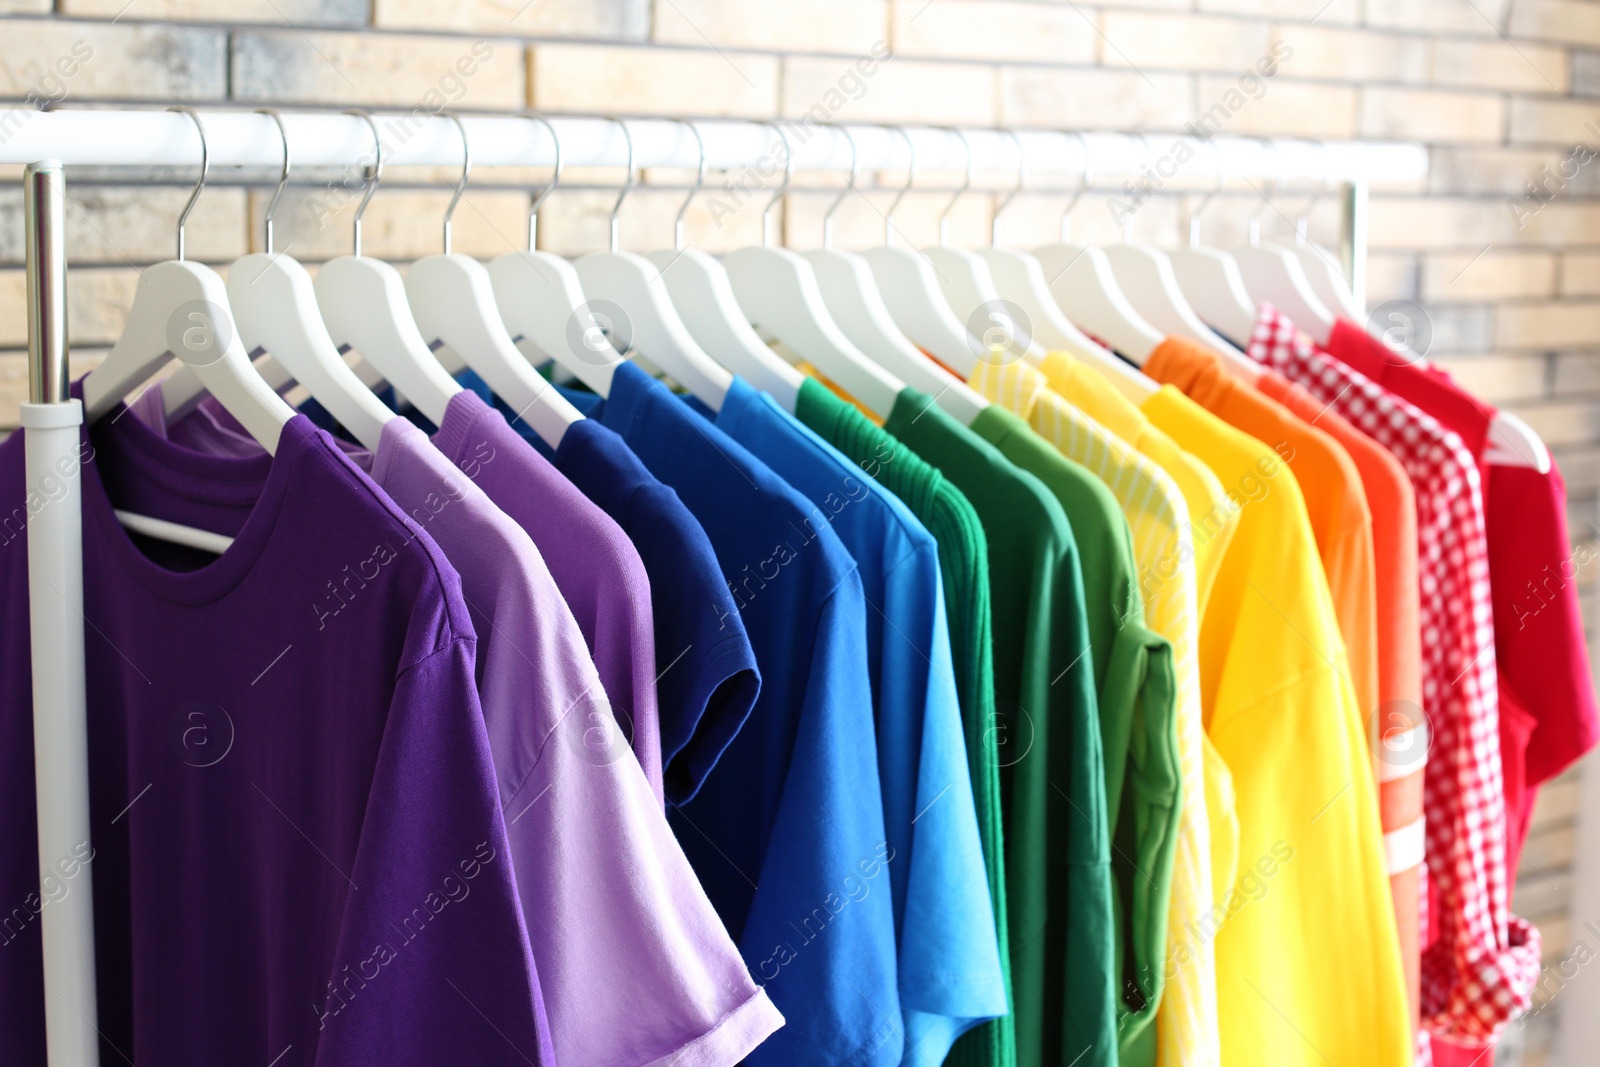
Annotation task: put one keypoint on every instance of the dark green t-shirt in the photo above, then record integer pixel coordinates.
(1058, 876)
(1137, 694)
(964, 568)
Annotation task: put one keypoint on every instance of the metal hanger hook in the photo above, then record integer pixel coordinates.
(1005, 201)
(911, 178)
(1205, 201)
(461, 183)
(966, 183)
(205, 169)
(543, 194)
(1302, 223)
(627, 185)
(371, 176)
(855, 172)
(283, 178)
(788, 176)
(699, 180)
(1266, 198)
(1083, 187)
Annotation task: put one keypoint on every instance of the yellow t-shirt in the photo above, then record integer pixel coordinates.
(1212, 516)
(1158, 520)
(1308, 958)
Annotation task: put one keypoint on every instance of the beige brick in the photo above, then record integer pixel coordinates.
(1435, 222)
(1562, 424)
(1092, 99)
(293, 12)
(614, 19)
(1339, 54)
(851, 26)
(113, 62)
(1174, 42)
(1286, 108)
(1562, 21)
(25, 7)
(1484, 17)
(1494, 275)
(1168, 5)
(1500, 65)
(1431, 115)
(1555, 122)
(1499, 379)
(379, 69)
(123, 227)
(1580, 274)
(97, 302)
(899, 90)
(595, 79)
(1391, 276)
(1548, 325)
(1559, 224)
(994, 29)
(1497, 170)
(1576, 372)
(1326, 12)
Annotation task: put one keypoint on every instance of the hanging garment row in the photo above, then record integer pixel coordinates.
(786, 671)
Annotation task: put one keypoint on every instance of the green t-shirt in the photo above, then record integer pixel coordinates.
(1058, 876)
(964, 568)
(1138, 724)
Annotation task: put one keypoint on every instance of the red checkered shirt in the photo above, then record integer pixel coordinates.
(1480, 970)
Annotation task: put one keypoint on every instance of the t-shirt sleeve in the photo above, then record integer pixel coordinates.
(433, 963)
(637, 966)
(820, 934)
(950, 976)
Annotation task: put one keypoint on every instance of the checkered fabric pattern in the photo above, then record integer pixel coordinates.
(1479, 971)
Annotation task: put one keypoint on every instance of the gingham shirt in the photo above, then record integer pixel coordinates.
(1159, 524)
(1481, 968)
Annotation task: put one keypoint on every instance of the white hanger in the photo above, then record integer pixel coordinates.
(778, 293)
(453, 302)
(699, 287)
(969, 286)
(852, 298)
(1147, 279)
(645, 320)
(915, 295)
(1274, 276)
(1021, 281)
(364, 305)
(181, 309)
(542, 303)
(1210, 277)
(1084, 285)
(276, 310)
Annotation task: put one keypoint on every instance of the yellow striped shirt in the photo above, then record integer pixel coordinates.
(1158, 518)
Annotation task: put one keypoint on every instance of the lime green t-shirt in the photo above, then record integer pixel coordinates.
(964, 569)
(1058, 876)
(1138, 724)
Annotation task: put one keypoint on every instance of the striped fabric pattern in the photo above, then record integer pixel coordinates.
(1163, 547)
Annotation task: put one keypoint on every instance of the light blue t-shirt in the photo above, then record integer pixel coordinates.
(949, 958)
(786, 832)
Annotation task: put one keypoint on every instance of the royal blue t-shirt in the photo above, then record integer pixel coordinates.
(708, 678)
(950, 977)
(787, 832)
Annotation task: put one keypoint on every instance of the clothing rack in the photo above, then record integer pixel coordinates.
(47, 141)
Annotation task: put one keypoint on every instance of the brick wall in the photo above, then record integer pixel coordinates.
(1499, 89)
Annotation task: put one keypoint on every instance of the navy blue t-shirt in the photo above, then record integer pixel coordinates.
(787, 832)
(708, 675)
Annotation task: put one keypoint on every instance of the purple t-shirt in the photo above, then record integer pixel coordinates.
(635, 965)
(298, 848)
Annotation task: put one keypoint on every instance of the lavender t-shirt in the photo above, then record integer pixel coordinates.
(297, 844)
(635, 964)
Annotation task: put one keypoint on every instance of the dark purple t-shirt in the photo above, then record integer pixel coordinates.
(299, 855)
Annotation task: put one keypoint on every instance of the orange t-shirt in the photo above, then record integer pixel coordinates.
(1393, 506)
(1328, 480)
